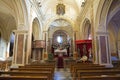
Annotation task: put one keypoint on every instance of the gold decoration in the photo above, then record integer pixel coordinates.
(60, 9)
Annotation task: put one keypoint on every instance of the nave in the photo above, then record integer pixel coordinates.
(78, 39)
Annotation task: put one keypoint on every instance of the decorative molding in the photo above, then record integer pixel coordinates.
(60, 9)
(102, 33)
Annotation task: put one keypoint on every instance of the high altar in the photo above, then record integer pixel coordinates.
(59, 51)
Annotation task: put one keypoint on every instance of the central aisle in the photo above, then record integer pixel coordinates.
(62, 74)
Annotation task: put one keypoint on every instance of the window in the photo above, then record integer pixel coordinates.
(59, 39)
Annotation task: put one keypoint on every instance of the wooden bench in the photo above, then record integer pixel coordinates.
(84, 65)
(108, 72)
(33, 69)
(28, 73)
(102, 77)
(38, 66)
(3, 77)
(77, 67)
(88, 68)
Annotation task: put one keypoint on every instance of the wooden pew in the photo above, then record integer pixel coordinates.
(83, 65)
(88, 68)
(33, 69)
(116, 63)
(108, 72)
(28, 73)
(24, 78)
(102, 77)
(41, 64)
(38, 66)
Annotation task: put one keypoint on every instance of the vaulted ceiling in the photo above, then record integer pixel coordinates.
(72, 8)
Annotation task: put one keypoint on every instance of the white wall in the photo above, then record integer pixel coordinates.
(3, 49)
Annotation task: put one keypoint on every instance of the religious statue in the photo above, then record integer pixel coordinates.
(79, 52)
(90, 54)
(84, 50)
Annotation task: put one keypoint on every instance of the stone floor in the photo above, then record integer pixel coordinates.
(62, 74)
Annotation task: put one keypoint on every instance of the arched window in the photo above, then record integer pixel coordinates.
(59, 39)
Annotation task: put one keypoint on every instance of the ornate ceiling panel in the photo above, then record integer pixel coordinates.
(72, 8)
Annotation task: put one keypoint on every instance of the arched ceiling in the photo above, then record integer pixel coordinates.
(72, 8)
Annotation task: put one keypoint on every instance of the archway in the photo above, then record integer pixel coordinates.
(113, 28)
(86, 28)
(36, 29)
(35, 52)
(7, 25)
(63, 27)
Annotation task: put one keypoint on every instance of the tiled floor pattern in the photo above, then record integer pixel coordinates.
(62, 74)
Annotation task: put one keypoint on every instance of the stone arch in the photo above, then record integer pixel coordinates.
(58, 33)
(64, 44)
(101, 15)
(57, 17)
(113, 19)
(67, 28)
(36, 29)
(13, 16)
(8, 23)
(86, 29)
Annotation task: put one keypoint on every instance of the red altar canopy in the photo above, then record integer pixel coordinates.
(83, 47)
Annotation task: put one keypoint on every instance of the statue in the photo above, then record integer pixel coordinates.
(84, 50)
(90, 54)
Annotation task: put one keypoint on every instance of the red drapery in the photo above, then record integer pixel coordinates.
(81, 45)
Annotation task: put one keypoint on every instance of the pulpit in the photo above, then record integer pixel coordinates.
(37, 48)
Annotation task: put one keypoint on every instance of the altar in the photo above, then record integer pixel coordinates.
(59, 51)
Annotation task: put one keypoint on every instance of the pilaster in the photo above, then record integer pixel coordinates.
(46, 45)
(19, 52)
(103, 53)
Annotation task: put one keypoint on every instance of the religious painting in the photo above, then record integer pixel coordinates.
(60, 9)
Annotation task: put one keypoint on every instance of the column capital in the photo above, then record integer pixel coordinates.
(20, 31)
(75, 31)
(22, 27)
(45, 31)
(102, 33)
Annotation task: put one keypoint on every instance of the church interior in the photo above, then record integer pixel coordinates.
(59, 39)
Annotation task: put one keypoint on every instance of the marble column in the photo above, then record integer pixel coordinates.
(103, 52)
(19, 50)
